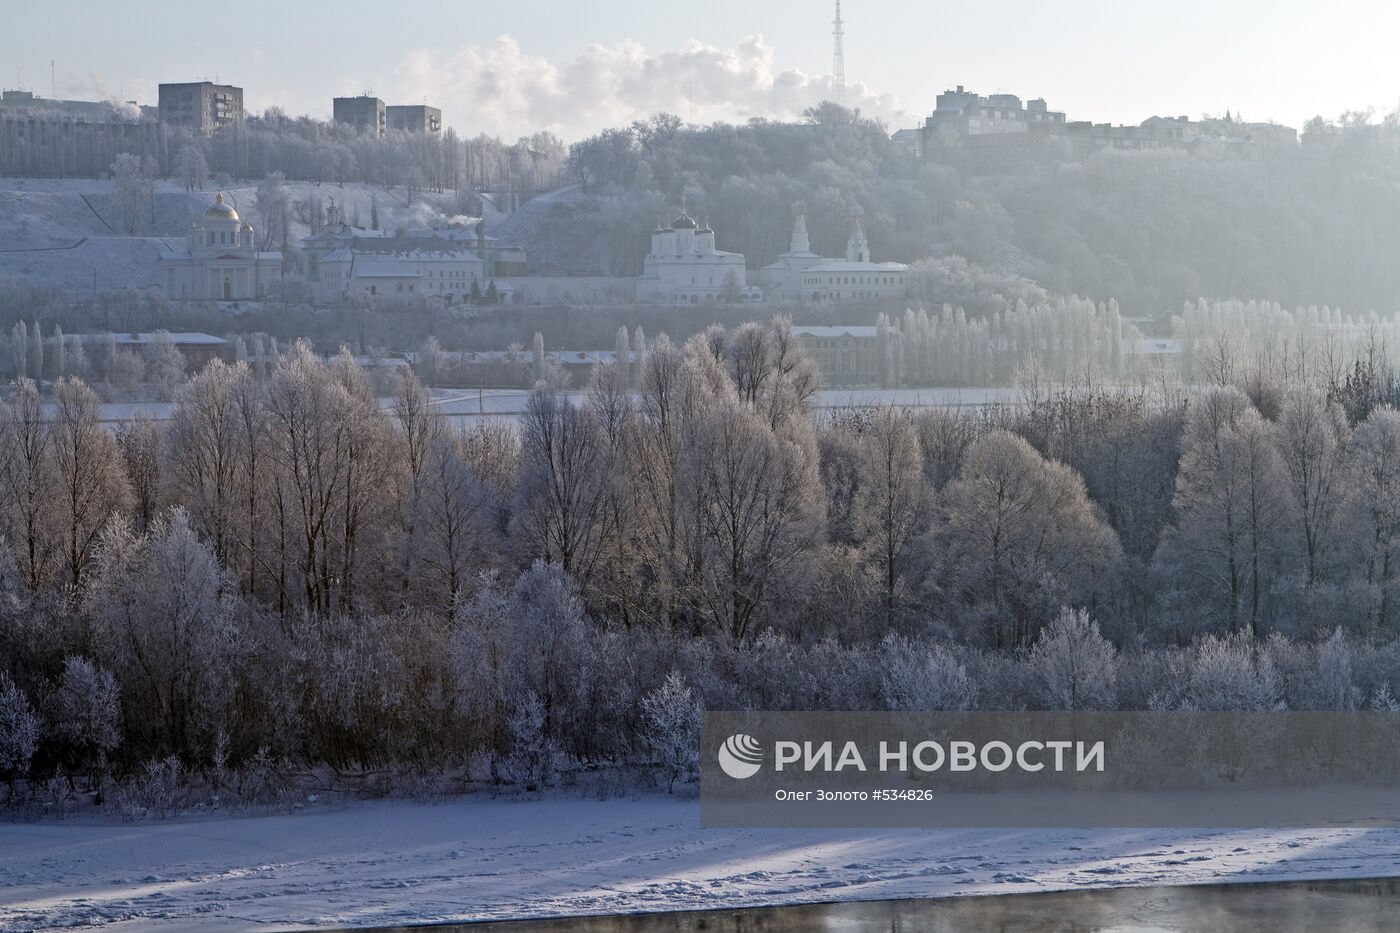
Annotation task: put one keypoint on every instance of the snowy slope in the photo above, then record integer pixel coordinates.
(62, 231)
(481, 859)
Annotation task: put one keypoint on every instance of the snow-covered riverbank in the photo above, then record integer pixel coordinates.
(387, 863)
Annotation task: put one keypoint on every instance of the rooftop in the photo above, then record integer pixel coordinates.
(835, 330)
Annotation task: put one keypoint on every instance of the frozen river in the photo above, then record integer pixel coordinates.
(469, 405)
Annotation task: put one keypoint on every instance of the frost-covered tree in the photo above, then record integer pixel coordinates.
(19, 348)
(192, 166)
(204, 435)
(164, 626)
(453, 511)
(29, 471)
(671, 728)
(141, 441)
(752, 494)
(92, 485)
(1075, 666)
(1224, 547)
(923, 677)
(1313, 436)
(36, 352)
(130, 185)
(562, 514)
(19, 730)
(85, 712)
(1231, 673)
(60, 353)
(1376, 460)
(893, 503)
(1336, 685)
(1020, 536)
(164, 364)
(273, 205)
(535, 759)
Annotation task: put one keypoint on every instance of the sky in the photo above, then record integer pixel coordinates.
(512, 67)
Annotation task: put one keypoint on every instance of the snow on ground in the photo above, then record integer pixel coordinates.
(474, 859)
(66, 231)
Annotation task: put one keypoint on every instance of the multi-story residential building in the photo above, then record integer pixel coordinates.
(964, 113)
(364, 113)
(200, 106)
(414, 118)
(41, 136)
(997, 132)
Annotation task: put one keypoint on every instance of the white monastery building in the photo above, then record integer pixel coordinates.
(854, 278)
(782, 278)
(219, 261)
(684, 267)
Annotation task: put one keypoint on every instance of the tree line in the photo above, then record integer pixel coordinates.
(288, 572)
(301, 149)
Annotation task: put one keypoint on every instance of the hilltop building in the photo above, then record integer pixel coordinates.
(365, 113)
(1227, 131)
(684, 267)
(200, 106)
(42, 136)
(998, 132)
(219, 261)
(414, 118)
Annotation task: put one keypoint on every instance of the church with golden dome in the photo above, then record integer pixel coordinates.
(219, 260)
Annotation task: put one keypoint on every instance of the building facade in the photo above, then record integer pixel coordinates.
(684, 267)
(41, 136)
(366, 114)
(414, 118)
(398, 268)
(844, 354)
(219, 260)
(200, 106)
(964, 113)
(999, 133)
(855, 278)
(781, 279)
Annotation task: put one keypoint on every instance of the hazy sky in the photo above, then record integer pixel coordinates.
(511, 66)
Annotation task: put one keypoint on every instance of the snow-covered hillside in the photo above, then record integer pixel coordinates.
(61, 231)
(387, 863)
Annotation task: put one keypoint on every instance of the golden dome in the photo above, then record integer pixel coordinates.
(220, 210)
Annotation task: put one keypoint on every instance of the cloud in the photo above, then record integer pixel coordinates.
(500, 88)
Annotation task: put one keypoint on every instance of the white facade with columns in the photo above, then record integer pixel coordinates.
(219, 260)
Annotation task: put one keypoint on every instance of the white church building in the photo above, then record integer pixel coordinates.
(801, 275)
(219, 260)
(684, 267)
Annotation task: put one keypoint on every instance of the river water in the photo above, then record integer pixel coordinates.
(1352, 906)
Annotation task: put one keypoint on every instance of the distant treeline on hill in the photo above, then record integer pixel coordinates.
(302, 149)
(1319, 224)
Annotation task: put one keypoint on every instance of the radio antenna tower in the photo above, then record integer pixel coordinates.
(838, 57)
